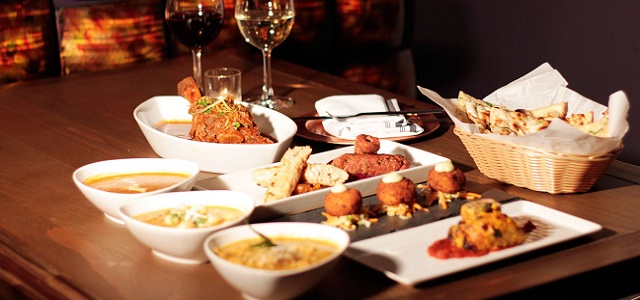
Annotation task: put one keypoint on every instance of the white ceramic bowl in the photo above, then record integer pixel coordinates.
(181, 245)
(109, 202)
(212, 157)
(269, 284)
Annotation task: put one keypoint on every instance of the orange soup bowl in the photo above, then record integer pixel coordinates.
(174, 241)
(258, 283)
(111, 183)
(166, 122)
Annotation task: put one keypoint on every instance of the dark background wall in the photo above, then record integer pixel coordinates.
(445, 45)
(479, 46)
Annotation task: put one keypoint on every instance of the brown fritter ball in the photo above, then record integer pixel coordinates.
(396, 193)
(446, 182)
(366, 144)
(343, 203)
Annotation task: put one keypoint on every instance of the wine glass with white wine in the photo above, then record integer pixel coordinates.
(265, 24)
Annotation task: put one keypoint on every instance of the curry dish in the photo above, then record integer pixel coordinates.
(286, 252)
(219, 120)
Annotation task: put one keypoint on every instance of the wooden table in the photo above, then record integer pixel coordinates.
(55, 244)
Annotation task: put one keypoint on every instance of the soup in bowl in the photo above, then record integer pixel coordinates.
(111, 183)
(294, 257)
(175, 225)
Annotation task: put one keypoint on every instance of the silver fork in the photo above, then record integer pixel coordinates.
(407, 113)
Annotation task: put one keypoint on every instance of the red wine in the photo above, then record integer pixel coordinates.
(194, 29)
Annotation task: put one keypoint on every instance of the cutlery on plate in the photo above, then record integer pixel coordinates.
(408, 113)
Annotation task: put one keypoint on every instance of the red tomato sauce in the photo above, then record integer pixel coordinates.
(444, 249)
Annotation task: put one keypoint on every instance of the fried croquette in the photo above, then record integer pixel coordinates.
(341, 201)
(366, 144)
(360, 166)
(394, 190)
(446, 178)
(365, 162)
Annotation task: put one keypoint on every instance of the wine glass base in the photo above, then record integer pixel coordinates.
(276, 102)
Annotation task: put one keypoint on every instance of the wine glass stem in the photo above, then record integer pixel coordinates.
(197, 66)
(267, 89)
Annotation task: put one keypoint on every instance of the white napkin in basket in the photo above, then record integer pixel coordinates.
(378, 126)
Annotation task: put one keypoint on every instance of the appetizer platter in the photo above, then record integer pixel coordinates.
(391, 224)
(403, 255)
(420, 163)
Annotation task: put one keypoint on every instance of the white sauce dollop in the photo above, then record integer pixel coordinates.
(339, 188)
(444, 167)
(392, 177)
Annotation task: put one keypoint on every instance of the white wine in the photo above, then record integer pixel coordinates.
(265, 24)
(265, 30)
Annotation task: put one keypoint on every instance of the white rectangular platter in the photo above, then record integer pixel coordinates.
(403, 257)
(421, 163)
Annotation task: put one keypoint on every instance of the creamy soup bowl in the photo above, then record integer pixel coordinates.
(110, 202)
(275, 284)
(211, 157)
(182, 245)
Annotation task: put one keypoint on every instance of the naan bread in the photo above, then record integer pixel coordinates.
(323, 174)
(505, 122)
(536, 124)
(580, 119)
(461, 109)
(501, 122)
(288, 174)
(557, 110)
(598, 128)
(477, 111)
(490, 118)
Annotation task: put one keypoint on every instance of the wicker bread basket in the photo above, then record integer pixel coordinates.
(535, 169)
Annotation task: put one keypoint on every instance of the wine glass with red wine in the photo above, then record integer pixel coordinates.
(195, 23)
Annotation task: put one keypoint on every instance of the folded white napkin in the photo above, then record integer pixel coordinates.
(378, 126)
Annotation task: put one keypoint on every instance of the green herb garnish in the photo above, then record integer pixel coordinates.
(266, 242)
